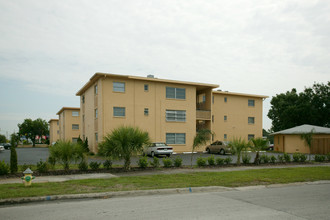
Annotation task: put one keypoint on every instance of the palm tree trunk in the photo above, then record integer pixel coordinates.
(256, 160)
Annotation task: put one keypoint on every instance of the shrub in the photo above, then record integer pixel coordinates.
(319, 158)
(280, 158)
(14, 138)
(167, 162)
(328, 156)
(143, 162)
(94, 165)
(246, 158)
(42, 167)
(4, 168)
(155, 162)
(303, 157)
(273, 159)
(228, 160)
(211, 160)
(178, 162)
(264, 158)
(83, 166)
(107, 164)
(220, 161)
(85, 145)
(287, 158)
(51, 162)
(201, 161)
(296, 157)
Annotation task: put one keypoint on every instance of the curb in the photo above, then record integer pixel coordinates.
(107, 195)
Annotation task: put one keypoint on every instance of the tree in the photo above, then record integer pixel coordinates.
(14, 138)
(308, 138)
(3, 138)
(201, 138)
(259, 144)
(30, 129)
(85, 145)
(290, 109)
(123, 142)
(237, 146)
(66, 152)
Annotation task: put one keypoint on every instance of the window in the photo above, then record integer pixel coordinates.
(83, 99)
(75, 114)
(213, 99)
(251, 102)
(57, 123)
(74, 140)
(118, 87)
(251, 120)
(175, 93)
(83, 118)
(176, 115)
(119, 111)
(250, 136)
(225, 136)
(58, 131)
(225, 99)
(212, 118)
(96, 137)
(95, 90)
(75, 127)
(212, 137)
(146, 87)
(225, 118)
(96, 113)
(204, 98)
(175, 138)
(146, 111)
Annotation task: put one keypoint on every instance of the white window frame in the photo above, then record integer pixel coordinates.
(75, 114)
(176, 93)
(176, 115)
(174, 138)
(75, 126)
(251, 102)
(146, 111)
(118, 87)
(116, 109)
(251, 120)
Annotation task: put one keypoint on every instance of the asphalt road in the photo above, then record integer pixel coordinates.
(34, 155)
(310, 201)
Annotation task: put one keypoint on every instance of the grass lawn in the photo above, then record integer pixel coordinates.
(229, 179)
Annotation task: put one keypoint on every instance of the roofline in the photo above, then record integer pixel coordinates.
(52, 120)
(67, 108)
(239, 94)
(98, 75)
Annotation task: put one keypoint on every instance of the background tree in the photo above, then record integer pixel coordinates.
(308, 138)
(259, 144)
(14, 138)
(85, 145)
(30, 129)
(201, 138)
(290, 109)
(123, 142)
(66, 152)
(3, 138)
(269, 137)
(237, 146)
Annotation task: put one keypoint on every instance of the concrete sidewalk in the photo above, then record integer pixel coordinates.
(62, 178)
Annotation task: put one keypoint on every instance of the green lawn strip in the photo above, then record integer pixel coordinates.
(163, 181)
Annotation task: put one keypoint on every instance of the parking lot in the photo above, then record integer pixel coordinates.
(34, 155)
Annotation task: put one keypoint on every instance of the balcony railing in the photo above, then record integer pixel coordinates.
(203, 114)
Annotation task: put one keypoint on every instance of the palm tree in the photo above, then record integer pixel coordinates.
(201, 138)
(237, 146)
(308, 137)
(259, 144)
(123, 142)
(65, 152)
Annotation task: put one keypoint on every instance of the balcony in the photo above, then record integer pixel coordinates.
(203, 115)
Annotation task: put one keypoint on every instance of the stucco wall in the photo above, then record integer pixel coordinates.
(53, 131)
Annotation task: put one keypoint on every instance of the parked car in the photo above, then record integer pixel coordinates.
(2, 148)
(156, 149)
(270, 147)
(218, 147)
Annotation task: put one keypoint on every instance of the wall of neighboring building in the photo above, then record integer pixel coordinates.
(53, 131)
(291, 143)
(135, 99)
(237, 112)
(69, 125)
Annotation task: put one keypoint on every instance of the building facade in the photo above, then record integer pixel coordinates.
(54, 132)
(69, 123)
(170, 111)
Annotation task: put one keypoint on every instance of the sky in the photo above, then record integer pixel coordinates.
(50, 49)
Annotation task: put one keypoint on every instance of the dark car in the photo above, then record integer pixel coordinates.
(6, 145)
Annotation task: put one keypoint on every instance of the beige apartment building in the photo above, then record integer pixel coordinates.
(170, 111)
(54, 130)
(69, 123)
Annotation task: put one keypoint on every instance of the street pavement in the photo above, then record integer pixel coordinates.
(294, 201)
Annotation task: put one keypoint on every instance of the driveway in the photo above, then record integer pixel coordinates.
(33, 155)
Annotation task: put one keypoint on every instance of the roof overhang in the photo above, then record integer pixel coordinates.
(67, 108)
(240, 94)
